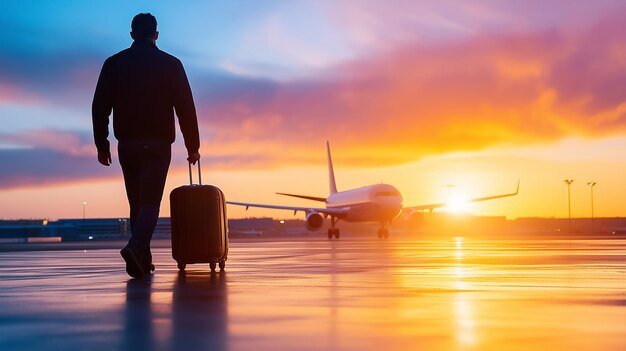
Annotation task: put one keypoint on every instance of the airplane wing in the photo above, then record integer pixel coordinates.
(336, 212)
(444, 204)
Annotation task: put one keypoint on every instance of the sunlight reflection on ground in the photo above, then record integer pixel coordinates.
(311, 294)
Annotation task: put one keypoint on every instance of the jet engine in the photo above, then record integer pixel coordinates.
(314, 221)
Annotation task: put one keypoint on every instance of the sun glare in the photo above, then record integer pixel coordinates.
(458, 205)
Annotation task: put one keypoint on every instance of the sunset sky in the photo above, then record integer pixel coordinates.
(439, 98)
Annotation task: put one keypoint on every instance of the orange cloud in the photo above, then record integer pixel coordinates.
(397, 106)
(419, 100)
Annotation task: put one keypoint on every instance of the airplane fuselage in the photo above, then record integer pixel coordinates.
(374, 203)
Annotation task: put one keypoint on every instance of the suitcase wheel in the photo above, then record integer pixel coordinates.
(182, 266)
(222, 265)
(212, 265)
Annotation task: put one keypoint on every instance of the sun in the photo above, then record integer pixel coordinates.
(458, 205)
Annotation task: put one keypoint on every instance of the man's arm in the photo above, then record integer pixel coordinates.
(100, 111)
(186, 112)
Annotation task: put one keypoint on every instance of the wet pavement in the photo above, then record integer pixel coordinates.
(312, 294)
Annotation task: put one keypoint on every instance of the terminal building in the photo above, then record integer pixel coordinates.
(15, 231)
(42, 230)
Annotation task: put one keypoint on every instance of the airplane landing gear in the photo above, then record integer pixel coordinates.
(333, 231)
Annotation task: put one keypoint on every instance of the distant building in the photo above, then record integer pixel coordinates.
(21, 230)
(67, 229)
(437, 224)
(113, 228)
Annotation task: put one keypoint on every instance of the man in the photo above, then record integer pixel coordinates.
(143, 86)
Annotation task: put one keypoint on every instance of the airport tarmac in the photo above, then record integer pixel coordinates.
(315, 294)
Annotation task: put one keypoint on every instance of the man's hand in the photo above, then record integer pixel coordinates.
(104, 158)
(193, 158)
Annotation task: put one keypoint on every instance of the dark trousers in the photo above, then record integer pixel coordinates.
(145, 164)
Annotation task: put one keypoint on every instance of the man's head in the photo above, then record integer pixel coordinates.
(144, 26)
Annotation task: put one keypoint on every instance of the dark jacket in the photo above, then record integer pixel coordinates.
(143, 86)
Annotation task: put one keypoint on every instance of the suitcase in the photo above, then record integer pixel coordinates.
(199, 224)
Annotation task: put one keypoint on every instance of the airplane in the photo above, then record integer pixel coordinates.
(373, 203)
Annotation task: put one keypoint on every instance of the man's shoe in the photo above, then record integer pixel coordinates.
(133, 265)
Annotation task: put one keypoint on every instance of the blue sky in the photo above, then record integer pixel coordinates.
(52, 49)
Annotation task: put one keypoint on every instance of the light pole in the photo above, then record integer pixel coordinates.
(84, 209)
(591, 185)
(569, 203)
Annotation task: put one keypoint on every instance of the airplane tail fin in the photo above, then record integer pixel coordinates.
(331, 173)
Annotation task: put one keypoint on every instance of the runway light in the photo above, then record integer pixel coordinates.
(90, 237)
(282, 222)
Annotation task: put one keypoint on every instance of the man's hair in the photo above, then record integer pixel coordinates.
(144, 25)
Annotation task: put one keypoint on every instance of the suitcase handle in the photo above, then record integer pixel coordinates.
(199, 174)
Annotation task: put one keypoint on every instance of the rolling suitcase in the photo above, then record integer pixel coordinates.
(199, 224)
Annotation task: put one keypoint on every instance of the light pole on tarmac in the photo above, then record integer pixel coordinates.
(569, 203)
(591, 185)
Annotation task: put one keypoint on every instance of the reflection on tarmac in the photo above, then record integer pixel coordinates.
(138, 322)
(199, 311)
(198, 318)
(310, 294)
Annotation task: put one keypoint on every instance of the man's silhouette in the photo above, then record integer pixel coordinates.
(143, 86)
